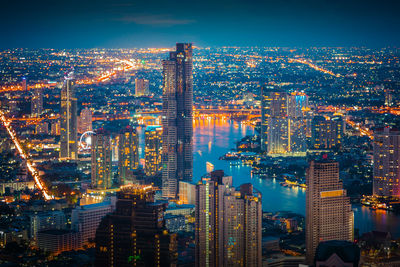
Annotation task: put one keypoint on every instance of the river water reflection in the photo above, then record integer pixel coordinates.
(214, 137)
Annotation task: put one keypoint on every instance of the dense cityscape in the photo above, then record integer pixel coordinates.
(102, 156)
(204, 133)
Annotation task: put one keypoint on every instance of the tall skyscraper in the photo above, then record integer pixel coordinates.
(141, 87)
(177, 119)
(228, 223)
(328, 209)
(153, 150)
(297, 114)
(128, 153)
(326, 133)
(277, 141)
(68, 120)
(101, 160)
(386, 162)
(85, 121)
(37, 102)
(135, 234)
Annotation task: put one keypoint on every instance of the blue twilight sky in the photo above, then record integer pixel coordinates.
(161, 23)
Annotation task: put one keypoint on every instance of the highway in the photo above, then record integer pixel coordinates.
(35, 174)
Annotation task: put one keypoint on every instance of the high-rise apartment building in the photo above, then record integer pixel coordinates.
(386, 162)
(298, 121)
(275, 120)
(326, 133)
(135, 234)
(177, 119)
(86, 218)
(242, 227)
(85, 121)
(37, 102)
(141, 87)
(68, 120)
(328, 209)
(153, 150)
(228, 223)
(101, 160)
(128, 153)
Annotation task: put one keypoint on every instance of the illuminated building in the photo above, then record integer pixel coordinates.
(141, 87)
(55, 128)
(37, 102)
(85, 121)
(135, 234)
(328, 209)
(278, 123)
(297, 113)
(386, 162)
(177, 119)
(128, 153)
(265, 115)
(68, 120)
(85, 219)
(187, 193)
(228, 223)
(388, 97)
(101, 160)
(57, 241)
(326, 133)
(24, 84)
(153, 150)
(42, 128)
(242, 227)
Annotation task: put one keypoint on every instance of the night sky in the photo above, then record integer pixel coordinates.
(162, 23)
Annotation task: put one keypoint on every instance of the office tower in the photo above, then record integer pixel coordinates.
(141, 87)
(328, 209)
(68, 120)
(101, 160)
(386, 162)
(337, 253)
(153, 150)
(85, 219)
(24, 84)
(135, 234)
(128, 153)
(297, 114)
(37, 102)
(85, 121)
(177, 119)
(228, 223)
(326, 133)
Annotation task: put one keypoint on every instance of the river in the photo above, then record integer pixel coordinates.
(214, 137)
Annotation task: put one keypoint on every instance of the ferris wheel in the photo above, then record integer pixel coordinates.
(85, 142)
